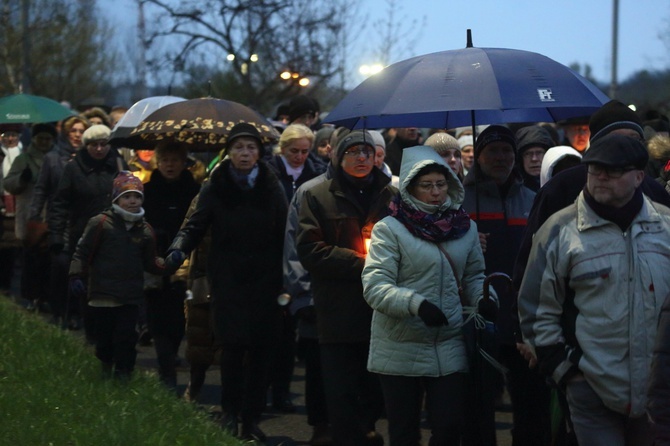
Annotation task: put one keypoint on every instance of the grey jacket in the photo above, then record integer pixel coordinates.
(591, 296)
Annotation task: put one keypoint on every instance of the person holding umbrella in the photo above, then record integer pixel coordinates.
(244, 206)
(496, 198)
(416, 342)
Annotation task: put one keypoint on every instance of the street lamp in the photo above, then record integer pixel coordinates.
(369, 70)
(294, 76)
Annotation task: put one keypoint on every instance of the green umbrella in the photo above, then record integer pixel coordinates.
(28, 109)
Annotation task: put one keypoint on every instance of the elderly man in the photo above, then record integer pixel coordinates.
(591, 295)
(335, 219)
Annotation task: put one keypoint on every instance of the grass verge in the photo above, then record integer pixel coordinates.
(52, 393)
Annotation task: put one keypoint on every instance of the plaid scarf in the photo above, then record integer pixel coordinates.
(439, 227)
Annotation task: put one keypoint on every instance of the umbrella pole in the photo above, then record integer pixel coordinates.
(474, 137)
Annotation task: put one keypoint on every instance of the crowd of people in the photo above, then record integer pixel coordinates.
(366, 253)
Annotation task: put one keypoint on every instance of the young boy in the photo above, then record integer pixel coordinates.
(107, 267)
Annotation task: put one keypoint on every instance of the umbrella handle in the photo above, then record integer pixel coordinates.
(490, 277)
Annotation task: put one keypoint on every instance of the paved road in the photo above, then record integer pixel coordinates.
(286, 429)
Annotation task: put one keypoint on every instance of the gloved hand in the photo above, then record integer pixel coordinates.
(174, 260)
(488, 309)
(77, 287)
(431, 315)
(26, 175)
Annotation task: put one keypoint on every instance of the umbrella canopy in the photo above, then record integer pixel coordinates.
(135, 114)
(456, 88)
(28, 109)
(203, 124)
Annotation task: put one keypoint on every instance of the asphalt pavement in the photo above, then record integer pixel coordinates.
(284, 429)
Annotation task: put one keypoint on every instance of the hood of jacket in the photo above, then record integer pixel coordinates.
(551, 158)
(416, 158)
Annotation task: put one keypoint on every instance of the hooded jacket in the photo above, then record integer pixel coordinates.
(402, 270)
(552, 157)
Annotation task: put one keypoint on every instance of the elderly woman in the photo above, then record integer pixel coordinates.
(245, 207)
(293, 165)
(420, 256)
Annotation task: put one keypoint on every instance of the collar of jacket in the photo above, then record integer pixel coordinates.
(487, 186)
(647, 220)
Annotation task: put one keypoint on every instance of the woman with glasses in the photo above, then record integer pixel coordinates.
(415, 291)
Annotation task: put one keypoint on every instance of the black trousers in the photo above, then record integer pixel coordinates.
(244, 374)
(353, 394)
(315, 395)
(166, 322)
(445, 397)
(115, 336)
(283, 361)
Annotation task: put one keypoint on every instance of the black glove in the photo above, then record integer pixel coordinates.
(77, 287)
(307, 314)
(174, 260)
(26, 175)
(431, 315)
(488, 309)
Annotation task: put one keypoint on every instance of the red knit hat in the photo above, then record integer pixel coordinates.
(126, 182)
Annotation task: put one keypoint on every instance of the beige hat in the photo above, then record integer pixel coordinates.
(96, 133)
(442, 142)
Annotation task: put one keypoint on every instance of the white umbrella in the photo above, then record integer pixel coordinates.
(136, 114)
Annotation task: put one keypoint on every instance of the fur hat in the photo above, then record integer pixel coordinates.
(44, 128)
(125, 182)
(300, 105)
(354, 138)
(615, 150)
(494, 133)
(611, 116)
(248, 130)
(96, 133)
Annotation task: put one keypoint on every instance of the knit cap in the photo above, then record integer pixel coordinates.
(612, 116)
(464, 141)
(125, 182)
(96, 133)
(354, 138)
(494, 133)
(441, 142)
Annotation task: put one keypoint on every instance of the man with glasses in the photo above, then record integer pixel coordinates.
(496, 198)
(534, 141)
(335, 222)
(83, 191)
(591, 294)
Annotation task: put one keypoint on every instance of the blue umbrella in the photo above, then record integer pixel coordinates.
(456, 88)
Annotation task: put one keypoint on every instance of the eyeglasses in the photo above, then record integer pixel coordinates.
(428, 186)
(611, 172)
(533, 154)
(10, 135)
(363, 151)
(96, 144)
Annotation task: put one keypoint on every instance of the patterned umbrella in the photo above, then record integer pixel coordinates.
(203, 124)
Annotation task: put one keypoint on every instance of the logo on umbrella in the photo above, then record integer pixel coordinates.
(545, 94)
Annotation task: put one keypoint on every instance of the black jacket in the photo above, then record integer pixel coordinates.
(244, 265)
(84, 190)
(330, 241)
(310, 170)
